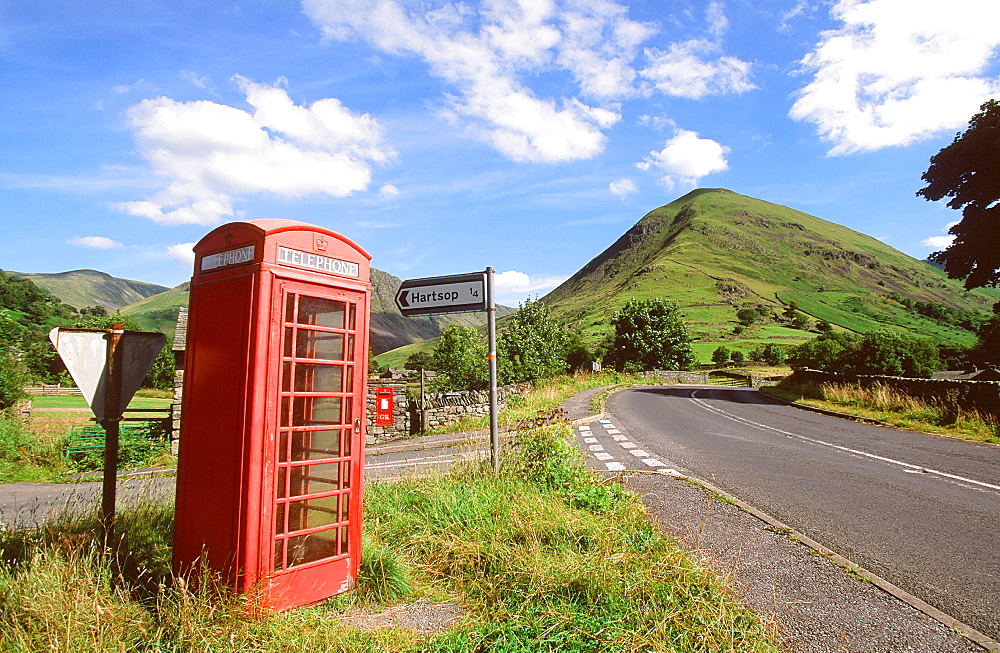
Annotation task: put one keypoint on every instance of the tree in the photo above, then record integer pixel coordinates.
(460, 359)
(988, 348)
(800, 321)
(891, 353)
(825, 353)
(747, 316)
(532, 345)
(771, 353)
(721, 355)
(420, 360)
(968, 171)
(737, 357)
(649, 334)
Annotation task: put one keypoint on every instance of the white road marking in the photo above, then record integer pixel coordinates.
(628, 445)
(589, 440)
(584, 428)
(603, 456)
(613, 431)
(619, 438)
(639, 453)
(653, 462)
(615, 467)
(811, 440)
(596, 447)
(605, 421)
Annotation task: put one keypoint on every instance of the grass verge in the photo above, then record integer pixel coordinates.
(542, 557)
(890, 406)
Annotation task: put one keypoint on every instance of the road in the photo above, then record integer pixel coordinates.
(919, 510)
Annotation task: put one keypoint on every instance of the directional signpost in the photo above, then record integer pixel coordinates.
(108, 365)
(459, 293)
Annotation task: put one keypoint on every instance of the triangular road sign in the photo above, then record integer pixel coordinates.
(85, 353)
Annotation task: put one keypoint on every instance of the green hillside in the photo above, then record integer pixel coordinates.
(159, 312)
(715, 251)
(80, 288)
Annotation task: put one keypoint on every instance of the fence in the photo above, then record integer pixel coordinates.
(52, 391)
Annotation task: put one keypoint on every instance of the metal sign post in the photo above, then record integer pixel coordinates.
(111, 424)
(491, 322)
(459, 293)
(108, 365)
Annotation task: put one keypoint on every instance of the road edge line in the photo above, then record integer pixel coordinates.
(963, 629)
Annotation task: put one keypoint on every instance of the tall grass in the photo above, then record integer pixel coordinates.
(941, 415)
(24, 457)
(542, 557)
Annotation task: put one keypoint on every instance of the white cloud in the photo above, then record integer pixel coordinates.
(210, 152)
(898, 71)
(622, 187)
(99, 242)
(182, 253)
(685, 159)
(685, 70)
(938, 242)
(491, 53)
(516, 286)
(388, 191)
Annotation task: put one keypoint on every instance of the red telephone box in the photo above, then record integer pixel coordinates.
(272, 428)
(383, 407)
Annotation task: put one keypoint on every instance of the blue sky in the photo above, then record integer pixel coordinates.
(445, 136)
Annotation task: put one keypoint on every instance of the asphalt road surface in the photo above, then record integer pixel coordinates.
(921, 511)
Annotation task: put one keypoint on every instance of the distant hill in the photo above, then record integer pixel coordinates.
(80, 288)
(714, 251)
(159, 312)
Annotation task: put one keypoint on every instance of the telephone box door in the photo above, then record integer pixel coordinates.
(316, 470)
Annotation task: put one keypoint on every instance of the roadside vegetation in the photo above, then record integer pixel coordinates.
(542, 556)
(945, 416)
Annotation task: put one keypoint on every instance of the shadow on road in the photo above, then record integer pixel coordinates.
(734, 395)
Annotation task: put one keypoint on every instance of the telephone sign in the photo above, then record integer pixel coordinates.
(457, 293)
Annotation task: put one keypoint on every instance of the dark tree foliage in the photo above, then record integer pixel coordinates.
(420, 360)
(38, 305)
(968, 171)
(988, 348)
(649, 335)
(882, 352)
(721, 355)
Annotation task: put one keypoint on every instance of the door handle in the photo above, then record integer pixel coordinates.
(357, 425)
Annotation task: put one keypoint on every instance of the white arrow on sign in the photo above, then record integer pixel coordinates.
(85, 353)
(459, 293)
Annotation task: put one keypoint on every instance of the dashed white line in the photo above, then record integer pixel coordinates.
(596, 447)
(639, 453)
(603, 456)
(653, 462)
(615, 467)
(628, 445)
(589, 440)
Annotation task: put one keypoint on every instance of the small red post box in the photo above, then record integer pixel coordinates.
(383, 407)
(272, 428)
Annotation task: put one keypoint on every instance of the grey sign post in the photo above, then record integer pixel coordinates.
(459, 293)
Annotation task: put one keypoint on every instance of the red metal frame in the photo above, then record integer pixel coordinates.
(273, 429)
